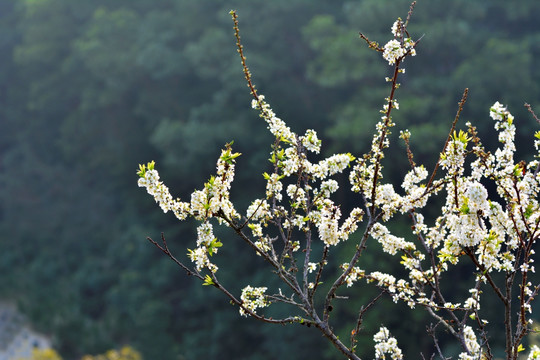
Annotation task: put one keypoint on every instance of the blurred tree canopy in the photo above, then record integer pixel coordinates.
(90, 89)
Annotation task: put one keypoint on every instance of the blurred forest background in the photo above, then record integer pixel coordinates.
(90, 89)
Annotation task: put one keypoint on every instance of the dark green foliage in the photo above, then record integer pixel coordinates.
(90, 89)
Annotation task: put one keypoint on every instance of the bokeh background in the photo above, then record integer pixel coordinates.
(90, 89)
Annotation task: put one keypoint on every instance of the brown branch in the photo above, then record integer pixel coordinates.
(485, 273)
(409, 14)
(372, 44)
(363, 309)
(322, 263)
(247, 73)
(461, 104)
(431, 332)
(529, 107)
(341, 279)
(383, 134)
(166, 251)
(410, 156)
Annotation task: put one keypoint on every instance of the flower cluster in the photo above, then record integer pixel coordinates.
(212, 201)
(353, 276)
(534, 354)
(497, 233)
(253, 298)
(474, 351)
(469, 220)
(207, 245)
(390, 243)
(149, 179)
(328, 223)
(291, 160)
(277, 127)
(386, 344)
(397, 48)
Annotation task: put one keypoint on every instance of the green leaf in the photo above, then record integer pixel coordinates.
(214, 245)
(142, 170)
(464, 209)
(208, 281)
(529, 211)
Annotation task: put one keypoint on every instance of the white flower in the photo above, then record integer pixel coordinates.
(472, 345)
(263, 245)
(497, 111)
(274, 187)
(296, 194)
(199, 199)
(161, 195)
(350, 224)
(355, 274)
(473, 302)
(331, 165)
(393, 51)
(198, 256)
(386, 344)
(534, 354)
(291, 163)
(253, 298)
(328, 223)
(311, 142)
(276, 126)
(259, 209)
(396, 28)
(388, 200)
(205, 234)
(477, 197)
(328, 187)
(390, 243)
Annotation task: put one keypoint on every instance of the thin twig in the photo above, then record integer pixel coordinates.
(166, 251)
(529, 107)
(363, 309)
(431, 332)
(452, 129)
